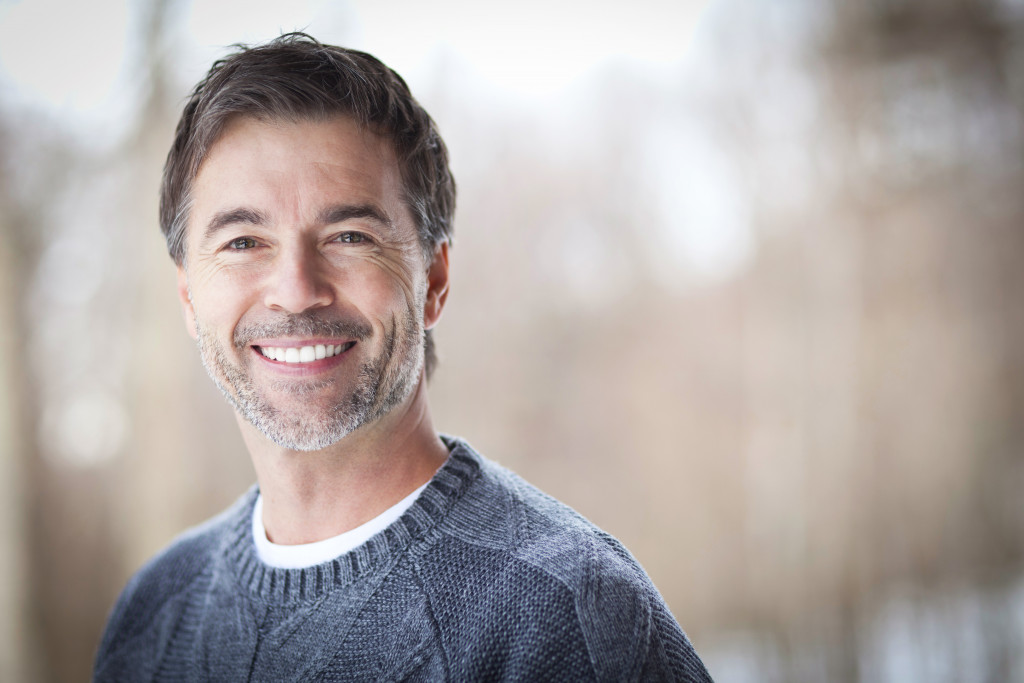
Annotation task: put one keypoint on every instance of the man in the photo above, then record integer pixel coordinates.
(308, 204)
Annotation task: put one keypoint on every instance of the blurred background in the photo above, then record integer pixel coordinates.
(740, 281)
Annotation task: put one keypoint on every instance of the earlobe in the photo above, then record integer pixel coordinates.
(437, 286)
(185, 297)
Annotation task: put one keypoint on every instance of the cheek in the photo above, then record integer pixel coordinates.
(221, 300)
(382, 294)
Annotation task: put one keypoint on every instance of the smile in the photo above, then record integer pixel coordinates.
(303, 354)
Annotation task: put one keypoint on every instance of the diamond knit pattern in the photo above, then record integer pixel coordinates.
(483, 578)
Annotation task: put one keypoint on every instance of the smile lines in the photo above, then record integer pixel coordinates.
(304, 354)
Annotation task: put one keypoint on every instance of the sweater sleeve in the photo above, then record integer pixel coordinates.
(630, 633)
(149, 607)
(670, 655)
(131, 640)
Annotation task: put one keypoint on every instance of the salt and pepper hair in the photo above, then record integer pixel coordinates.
(296, 78)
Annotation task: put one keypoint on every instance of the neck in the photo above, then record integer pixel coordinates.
(310, 496)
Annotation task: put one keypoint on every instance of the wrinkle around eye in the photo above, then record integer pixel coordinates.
(221, 261)
(396, 266)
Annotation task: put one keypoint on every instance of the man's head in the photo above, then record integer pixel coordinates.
(295, 78)
(307, 202)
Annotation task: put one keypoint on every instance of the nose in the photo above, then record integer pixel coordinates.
(298, 281)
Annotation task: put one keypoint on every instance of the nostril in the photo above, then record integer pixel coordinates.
(298, 286)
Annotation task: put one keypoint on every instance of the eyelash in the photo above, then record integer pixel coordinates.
(354, 238)
(233, 244)
(348, 237)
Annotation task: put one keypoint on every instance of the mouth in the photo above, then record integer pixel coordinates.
(303, 354)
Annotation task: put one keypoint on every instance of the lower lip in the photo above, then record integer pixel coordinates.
(303, 369)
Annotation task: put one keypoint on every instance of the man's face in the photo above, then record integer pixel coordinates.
(305, 283)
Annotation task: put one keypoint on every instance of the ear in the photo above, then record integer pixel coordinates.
(437, 287)
(186, 302)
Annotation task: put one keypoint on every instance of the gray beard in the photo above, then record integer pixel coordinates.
(381, 384)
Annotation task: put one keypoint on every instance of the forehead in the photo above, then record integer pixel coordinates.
(290, 170)
(338, 142)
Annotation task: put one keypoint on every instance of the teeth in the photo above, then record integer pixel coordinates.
(303, 354)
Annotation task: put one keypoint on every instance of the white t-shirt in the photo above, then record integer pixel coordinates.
(311, 554)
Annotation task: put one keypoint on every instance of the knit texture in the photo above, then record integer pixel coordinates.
(484, 578)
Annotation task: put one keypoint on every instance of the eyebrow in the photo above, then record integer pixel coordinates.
(222, 219)
(328, 216)
(344, 212)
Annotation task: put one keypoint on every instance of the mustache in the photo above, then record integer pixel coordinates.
(305, 324)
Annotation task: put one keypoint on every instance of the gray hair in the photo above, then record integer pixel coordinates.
(296, 78)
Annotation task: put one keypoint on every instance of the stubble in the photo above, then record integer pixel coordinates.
(381, 383)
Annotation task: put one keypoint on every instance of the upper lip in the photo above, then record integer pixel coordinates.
(297, 343)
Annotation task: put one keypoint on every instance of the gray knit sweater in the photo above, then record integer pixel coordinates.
(484, 578)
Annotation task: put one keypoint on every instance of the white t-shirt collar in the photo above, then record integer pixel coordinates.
(311, 554)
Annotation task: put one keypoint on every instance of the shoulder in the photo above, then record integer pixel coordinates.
(549, 556)
(167, 580)
(503, 512)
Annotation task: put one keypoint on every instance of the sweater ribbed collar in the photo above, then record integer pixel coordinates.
(276, 585)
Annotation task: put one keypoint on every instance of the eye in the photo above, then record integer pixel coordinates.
(242, 243)
(350, 237)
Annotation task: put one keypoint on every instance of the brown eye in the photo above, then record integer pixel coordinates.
(242, 243)
(351, 237)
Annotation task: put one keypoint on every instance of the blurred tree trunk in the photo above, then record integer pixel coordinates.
(19, 634)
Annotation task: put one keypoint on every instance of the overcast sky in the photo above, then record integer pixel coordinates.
(79, 67)
(530, 56)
